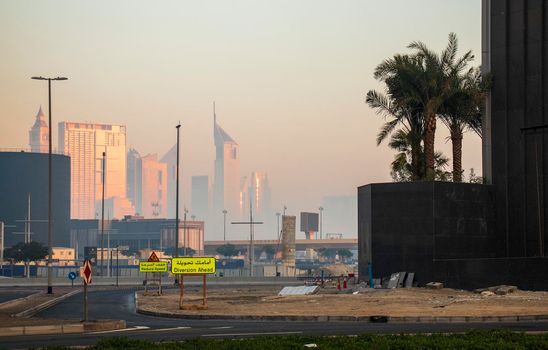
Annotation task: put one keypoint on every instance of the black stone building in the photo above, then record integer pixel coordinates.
(24, 173)
(467, 235)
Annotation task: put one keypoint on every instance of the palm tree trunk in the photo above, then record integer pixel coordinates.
(415, 161)
(456, 140)
(429, 139)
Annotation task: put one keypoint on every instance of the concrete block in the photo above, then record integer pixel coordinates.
(11, 331)
(434, 285)
(49, 329)
(73, 328)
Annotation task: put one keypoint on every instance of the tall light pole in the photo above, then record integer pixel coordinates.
(321, 219)
(184, 230)
(103, 215)
(177, 197)
(50, 212)
(224, 225)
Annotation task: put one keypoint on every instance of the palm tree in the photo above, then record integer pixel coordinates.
(410, 118)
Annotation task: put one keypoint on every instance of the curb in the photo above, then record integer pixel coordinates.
(365, 319)
(36, 309)
(68, 328)
(14, 301)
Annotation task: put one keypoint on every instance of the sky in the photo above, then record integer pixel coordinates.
(289, 79)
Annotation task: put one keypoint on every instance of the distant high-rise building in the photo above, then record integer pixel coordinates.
(85, 144)
(244, 197)
(39, 134)
(200, 197)
(226, 187)
(259, 192)
(170, 158)
(133, 177)
(153, 187)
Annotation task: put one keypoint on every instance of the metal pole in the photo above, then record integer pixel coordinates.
(184, 232)
(109, 256)
(2, 244)
(321, 221)
(103, 218)
(50, 214)
(177, 198)
(224, 226)
(85, 302)
(117, 266)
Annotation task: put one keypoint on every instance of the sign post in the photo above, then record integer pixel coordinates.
(193, 266)
(85, 273)
(153, 265)
(72, 277)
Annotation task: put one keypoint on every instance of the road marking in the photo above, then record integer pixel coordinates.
(244, 334)
(222, 327)
(169, 329)
(136, 328)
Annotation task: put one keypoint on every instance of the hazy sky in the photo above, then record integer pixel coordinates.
(289, 79)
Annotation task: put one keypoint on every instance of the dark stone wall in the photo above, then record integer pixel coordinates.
(22, 173)
(519, 99)
(441, 231)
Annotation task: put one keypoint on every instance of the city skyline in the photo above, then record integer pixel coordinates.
(287, 91)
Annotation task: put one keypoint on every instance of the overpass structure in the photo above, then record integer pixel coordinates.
(302, 244)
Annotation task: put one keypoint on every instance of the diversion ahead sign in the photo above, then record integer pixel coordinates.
(193, 266)
(153, 266)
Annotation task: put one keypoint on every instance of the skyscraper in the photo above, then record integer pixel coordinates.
(85, 144)
(226, 190)
(170, 158)
(153, 187)
(200, 197)
(38, 134)
(259, 192)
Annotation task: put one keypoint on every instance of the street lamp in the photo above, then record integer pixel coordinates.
(184, 230)
(177, 197)
(321, 219)
(224, 226)
(103, 215)
(50, 221)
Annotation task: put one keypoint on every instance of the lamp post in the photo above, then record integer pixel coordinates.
(177, 197)
(103, 216)
(184, 231)
(50, 213)
(321, 220)
(224, 225)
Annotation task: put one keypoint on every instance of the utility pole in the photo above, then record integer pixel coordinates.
(224, 225)
(321, 221)
(177, 198)
(251, 223)
(103, 217)
(50, 211)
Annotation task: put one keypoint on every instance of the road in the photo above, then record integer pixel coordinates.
(15, 293)
(119, 304)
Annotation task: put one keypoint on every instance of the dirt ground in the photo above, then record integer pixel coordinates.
(390, 302)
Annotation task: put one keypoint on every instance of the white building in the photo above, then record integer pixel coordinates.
(85, 144)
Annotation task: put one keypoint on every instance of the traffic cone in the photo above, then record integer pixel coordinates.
(344, 284)
(339, 283)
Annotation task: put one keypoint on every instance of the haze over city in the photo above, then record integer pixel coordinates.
(289, 80)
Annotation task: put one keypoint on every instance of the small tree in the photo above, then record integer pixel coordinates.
(171, 251)
(227, 250)
(269, 251)
(327, 253)
(26, 252)
(345, 254)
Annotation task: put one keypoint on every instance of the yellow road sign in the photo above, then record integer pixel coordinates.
(154, 266)
(193, 266)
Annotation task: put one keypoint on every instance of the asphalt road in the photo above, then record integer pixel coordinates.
(119, 304)
(15, 293)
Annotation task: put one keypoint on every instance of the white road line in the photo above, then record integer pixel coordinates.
(244, 334)
(168, 329)
(222, 327)
(136, 328)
